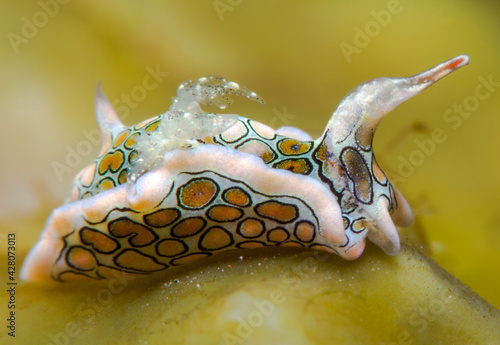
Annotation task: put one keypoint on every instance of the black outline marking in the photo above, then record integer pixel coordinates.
(274, 157)
(132, 136)
(234, 141)
(278, 228)
(118, 209)
(100, 182)
(114, 146)
(186, 248)
(144, 217)
(68, 262)
(300, 201)
(321, 175)
(374, 161)
(86, 228)
(202, 237)
(111, 153)
(295, 231)
(179, 191)
(172, 229)
(207, 213)
(306, 161)
(280, 142)
(361, 146)
(146, 128)
(238, 227)
(131, 160)
(223, 196)
(264, 244)
(284, 244)
(356, 220)
(349, 174)
(59, 278)
(133, 234)
(249, 123)
(273, 219)
(115, 258)
(117, 269)
(185, 256)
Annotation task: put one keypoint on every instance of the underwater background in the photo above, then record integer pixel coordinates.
(302, 58)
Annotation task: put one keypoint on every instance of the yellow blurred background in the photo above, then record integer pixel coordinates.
(301, 57)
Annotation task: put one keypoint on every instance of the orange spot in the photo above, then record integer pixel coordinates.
(358, 225)
(171, 248)
(305, 231)
(140, 236)
(152, 127)
(146, 122)
(346, 222)
(297, 166)
(364, 137)
(197, 193)
(292, 147)
(162, 218)
(120, 138)
(221, 213)
(106, 184)
(131, 141)
(236, 196)
(112, 161)
(122, 178)
(216, 238)
(378, 173)
(277, 211)
(100, 242)
(81, 258)
(257, 148)
(132, 259)
(188, 227)
(278, 235)
(251, 245)
(292, 244)
(251, 228)
(189, 258)
(87, 175)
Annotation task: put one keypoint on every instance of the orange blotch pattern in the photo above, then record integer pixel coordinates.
(162, 218)
(132, 259)
(251, 245)
(140, 235)
(120, 138)
(278, 235)
(197, 193)
(129, 144)
(189, 258)
(277, 211)
(188, 227)
(81, 258)
(101, 243)
(251, 228)
(170, 248)
(222, 213)
(297, 166)
(111, 161)
(216, 238)
(106, 184)
(291, 147)
(305, 231)
(236, 196)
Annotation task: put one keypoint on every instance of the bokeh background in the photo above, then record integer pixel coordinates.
(301, 57)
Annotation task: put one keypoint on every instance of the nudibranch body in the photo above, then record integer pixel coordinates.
(187, 184)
